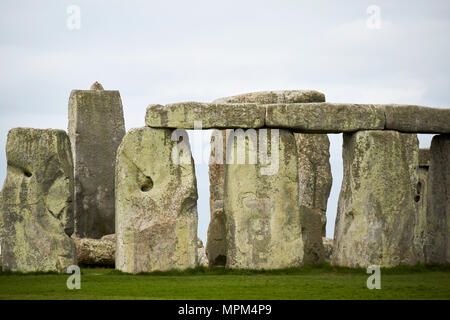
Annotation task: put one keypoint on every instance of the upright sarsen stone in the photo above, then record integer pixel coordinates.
(420, 198)
(156, 202)
(376, 210)
(263, 217)
(216, 245)
(437, 249)
(314, 178)
(96, 128)
(36, 203)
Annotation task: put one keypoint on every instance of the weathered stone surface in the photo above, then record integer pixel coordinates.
(211, 115)
(424, 157)
(201, 252)
(408, 118)
(437, 246)
(314, 173)
(376, 210)
(36, 209)
(263, 218)
(99, 252)
(96, 128)
(325, 117)
(282, 96)
(216, 244)
(156, 203)
(328, 248)
(420, 223)
(314, 178)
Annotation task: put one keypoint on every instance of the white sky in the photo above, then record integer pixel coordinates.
(173, 51)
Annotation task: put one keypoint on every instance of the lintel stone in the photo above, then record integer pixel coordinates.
(211, 115)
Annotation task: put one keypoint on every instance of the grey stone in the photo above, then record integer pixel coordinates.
(263, 217)
(211, 115)
(409, 118)
(216, 244)
(314, 178)
(420, 223)
(314, 173)
(282, 96)
(156, 202)
(96, 128)
(36, 203)
(437, 246)
(325, 117)
(377, 210)
(328, 248)
(99, 252)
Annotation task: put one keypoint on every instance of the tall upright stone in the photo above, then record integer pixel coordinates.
(36, 203)
(96, 128)
(437, 249)
(420, 198)
(261, 205)
(377, 210)
(216, 245)
(314, 178)
(156, 202)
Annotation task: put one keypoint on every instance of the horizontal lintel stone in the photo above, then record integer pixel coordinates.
(315, 117)
(211, 115)
(325, 117)
(417, 119)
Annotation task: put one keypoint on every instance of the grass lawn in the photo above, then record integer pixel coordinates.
(318, 282)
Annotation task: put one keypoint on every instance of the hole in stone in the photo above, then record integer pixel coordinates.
(419, 187)
(417, 198)
(27, 173)
(220, 261)
(147, 184)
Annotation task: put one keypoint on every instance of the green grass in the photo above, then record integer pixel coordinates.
(309, 282)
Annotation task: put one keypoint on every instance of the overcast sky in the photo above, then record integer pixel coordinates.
(173, 51)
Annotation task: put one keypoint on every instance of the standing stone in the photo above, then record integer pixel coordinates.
(36, 203)
(96, 128)
(420, 198)
(216, 245)
(156, 202)
(328, 248)
(376, 210)
(437, 249)
(263, 217)
(314, 178)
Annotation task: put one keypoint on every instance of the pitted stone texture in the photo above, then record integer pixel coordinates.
(36, 203)
(314, 173)
(263, 218)
(376, 210)
(211, 115)
(100, 252)
(325, 117)
(282, 96)
(96, 128)
(156, 204)
(437, 248)
(408, 118)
